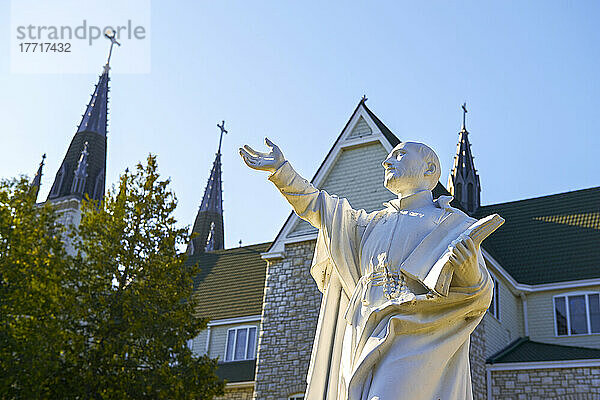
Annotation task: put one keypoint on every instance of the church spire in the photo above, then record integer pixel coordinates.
(36, 183)
(90, 138)
(208, 232)
(463, 182)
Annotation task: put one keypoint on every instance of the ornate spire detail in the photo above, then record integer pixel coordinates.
(208, 231)
(81, 171)
(463, 182)
(36, 183)
(91, 134)
(95, 117)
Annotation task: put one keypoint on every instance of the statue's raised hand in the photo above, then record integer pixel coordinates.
(270, 161)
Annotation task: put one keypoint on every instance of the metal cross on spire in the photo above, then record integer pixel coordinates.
(364, 99)
(222, 127)
(464, 107)
(110, 34)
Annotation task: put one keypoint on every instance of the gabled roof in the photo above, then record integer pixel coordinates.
(371, 132)
(548, 239)
(231, 282)
(525, 350)
(384, 129)
(377, 133)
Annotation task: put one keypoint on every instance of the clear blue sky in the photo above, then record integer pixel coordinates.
(294, 71)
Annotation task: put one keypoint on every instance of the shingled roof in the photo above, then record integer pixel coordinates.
(548, 239)
(525, 350)
(231, 282)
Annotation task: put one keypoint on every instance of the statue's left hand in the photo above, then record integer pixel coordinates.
(464, 260)
(270, 161)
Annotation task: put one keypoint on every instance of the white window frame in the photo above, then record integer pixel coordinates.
(237, 328)
(496, 298)
(296, 396)
(587, 313)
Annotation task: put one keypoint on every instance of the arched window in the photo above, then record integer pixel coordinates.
(99, 186)
(470, 204)
(458, 195)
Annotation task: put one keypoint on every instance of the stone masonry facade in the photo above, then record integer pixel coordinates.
(289, 320)
(541, 384)
(241, 393)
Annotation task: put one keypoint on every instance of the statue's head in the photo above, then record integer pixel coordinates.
(411, 167)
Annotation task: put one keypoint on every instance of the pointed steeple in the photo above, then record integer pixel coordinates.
(95, 117)
(90, 138)
(208, 233)
(36, 183)
(463, 182)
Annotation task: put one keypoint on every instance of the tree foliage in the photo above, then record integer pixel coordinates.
(34, 302)
(122, 303)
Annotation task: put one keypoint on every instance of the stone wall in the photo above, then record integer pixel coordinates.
(477, 360)
(289, 320)
(555, 383)
(237, 393)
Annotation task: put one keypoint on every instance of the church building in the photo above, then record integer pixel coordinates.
(539, 339)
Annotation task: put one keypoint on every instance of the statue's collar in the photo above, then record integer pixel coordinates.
(415, 200)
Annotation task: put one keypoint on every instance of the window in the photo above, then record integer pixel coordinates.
(577, 314)
(459, 192)
(494, 308)
(470, 203)
(241, 343)
(297, 396)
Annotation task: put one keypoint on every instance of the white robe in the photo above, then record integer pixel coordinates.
(369, 346)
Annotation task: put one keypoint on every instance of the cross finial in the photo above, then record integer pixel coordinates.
(364, 99)
(464, 107)
(110, 34)
(222, 128)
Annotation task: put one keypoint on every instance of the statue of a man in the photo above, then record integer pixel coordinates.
(403, 287)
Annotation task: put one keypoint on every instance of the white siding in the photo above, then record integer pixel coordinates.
(199, 343)
(499, 333)
(218, 338)
(540, 307)
(357, 175)
(360, 129)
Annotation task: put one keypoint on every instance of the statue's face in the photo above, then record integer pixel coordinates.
(405, 169)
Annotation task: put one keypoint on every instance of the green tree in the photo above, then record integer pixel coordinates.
(127, 310)
(34, 301)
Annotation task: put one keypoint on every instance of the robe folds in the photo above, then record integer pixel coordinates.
(374, 347)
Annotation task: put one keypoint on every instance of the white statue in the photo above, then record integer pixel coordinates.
(403, 287)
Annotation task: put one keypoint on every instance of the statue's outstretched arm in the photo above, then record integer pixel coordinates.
(308, 202)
